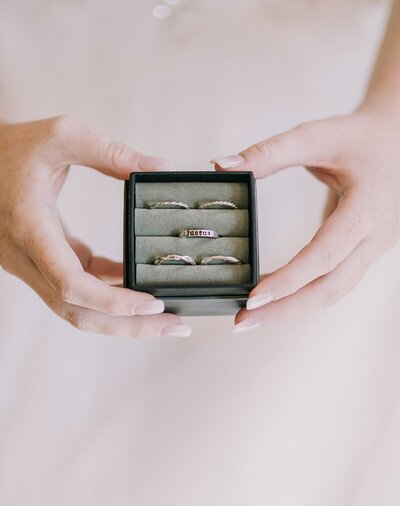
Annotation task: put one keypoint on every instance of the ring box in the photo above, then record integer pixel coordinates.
(152, 233)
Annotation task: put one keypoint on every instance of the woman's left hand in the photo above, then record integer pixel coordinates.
(357, 156)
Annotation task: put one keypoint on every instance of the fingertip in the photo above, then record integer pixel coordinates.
(257, 300)
(240, 315)
(217, 167)
(151, 307)
(246, 325)
(230, 162)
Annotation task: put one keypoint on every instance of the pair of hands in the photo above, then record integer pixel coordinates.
(355, 155)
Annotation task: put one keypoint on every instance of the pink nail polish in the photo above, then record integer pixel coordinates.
(260, 300)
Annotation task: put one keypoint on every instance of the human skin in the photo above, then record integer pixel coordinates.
(357, 157)
(35, 245)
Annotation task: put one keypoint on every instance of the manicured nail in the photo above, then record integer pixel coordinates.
(229, 162)
(174, 330)
(260, 300)
(246, 325)
(151, 307)
(152, 163)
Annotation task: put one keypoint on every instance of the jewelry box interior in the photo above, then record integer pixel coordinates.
(162, 207)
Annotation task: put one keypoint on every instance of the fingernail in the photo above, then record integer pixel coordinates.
(152, 163)
(174, 330)
(229, 162)
(151, 307)
(259, 300)
(246, 325)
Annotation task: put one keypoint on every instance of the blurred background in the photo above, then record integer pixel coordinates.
(302, 413)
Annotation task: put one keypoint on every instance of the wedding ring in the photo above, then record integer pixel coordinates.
(218, 204)
(210, 234)
(169, 204)
(175, 260)
(220, 259)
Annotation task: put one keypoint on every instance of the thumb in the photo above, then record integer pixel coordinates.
(85, 146)
(303, 145)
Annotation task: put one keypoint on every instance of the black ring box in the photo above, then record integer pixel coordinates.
(193, 301)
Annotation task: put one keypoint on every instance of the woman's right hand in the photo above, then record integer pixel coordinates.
(34, 161)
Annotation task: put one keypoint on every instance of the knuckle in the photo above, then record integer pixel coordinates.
(60, 124)
(265, 149)
(65, 290)
(73, 317)
(123, 328)
(144, 327)
(79, 319)
(116, 152)
(151, 326)
(137, 330)
(289, 279)
(113, 306)
(328, 258)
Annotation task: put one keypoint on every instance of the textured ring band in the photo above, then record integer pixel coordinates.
(168, 204)
(175, 259)
(220, 259)
(210, 234)
(218, 203)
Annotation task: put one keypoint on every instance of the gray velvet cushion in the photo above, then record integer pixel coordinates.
(172, 221)
(147, 249)
(156, 233)
(193, 194)
(187, 275)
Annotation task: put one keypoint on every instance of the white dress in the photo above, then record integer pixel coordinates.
(301, 413)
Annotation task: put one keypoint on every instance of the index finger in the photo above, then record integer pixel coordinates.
(82, 145)
(341, 233)
(58, 263)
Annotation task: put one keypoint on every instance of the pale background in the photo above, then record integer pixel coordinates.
(304, 413)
